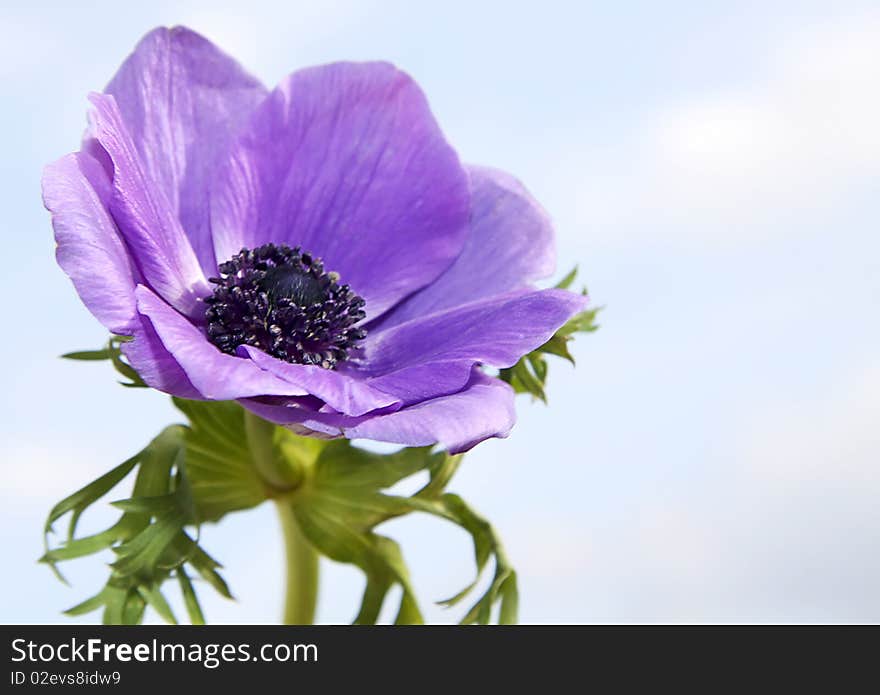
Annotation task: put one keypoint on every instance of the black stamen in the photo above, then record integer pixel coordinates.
(282, 301)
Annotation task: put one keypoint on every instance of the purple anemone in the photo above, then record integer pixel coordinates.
(317, 253)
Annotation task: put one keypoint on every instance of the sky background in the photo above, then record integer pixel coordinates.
(713, 168)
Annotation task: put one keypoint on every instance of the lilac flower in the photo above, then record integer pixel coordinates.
(317, 252)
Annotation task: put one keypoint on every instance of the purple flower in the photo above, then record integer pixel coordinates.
(317, 252)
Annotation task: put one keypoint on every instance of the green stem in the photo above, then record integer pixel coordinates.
(282, 476)
(301, 595)
(273, 469)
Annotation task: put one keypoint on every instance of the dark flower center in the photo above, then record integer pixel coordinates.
(281, 300)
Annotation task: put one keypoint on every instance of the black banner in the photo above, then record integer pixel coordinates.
(407, 659)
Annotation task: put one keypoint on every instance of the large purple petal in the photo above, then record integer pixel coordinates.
(423, 381)
(496, 331)
(345, 394)
(347, 162)
(76, 191)
(145, 218)
(459, 421)
(154, 364)
(182, 99)
(509, 246)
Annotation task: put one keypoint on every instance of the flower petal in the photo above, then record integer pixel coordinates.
(346, 161)
(423, 381)
(345, 394)
(76, 191)
(459, 421)
(182, 99)
(219, 376)
(496, 331)
(301, 418)
(154, 364)
(214, 374)
(509, 245)
(144, 216)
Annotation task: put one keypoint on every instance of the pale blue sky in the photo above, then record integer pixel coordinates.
(713, 168)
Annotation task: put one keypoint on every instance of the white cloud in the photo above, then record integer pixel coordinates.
(832, 442)
(739, 162)
(781, 525)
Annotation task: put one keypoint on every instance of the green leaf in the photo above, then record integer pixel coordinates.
(133, 609)
(567, 281)
(89, 605)
(344, 500)
(157, 602)
(343, 466)
(219, 466)
(80, 500)
(190, 600)
(88, 355)
(523, 377)
(509, 601)
(203, 563)
(149, 540)
(442, 468)
(486, 544)
(199, 472)
(379, 557)
(584, 322)
(557, 345)
(113, 353)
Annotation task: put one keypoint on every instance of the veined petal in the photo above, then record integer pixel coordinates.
(509, 245)
(76, 191)
(346, 161)
(424, 381)
(154, 364)
(143, 215)
(496, 332)
(182, 99)
(458, 421)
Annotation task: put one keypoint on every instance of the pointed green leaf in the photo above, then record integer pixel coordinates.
(509, 601)
(86, 496)
(113, 353)
(557, 345)
(584, 322)
(203, 563)
(87, 606)
(88, 355)
(193, 609)
(442, 468)
(567, 281)
(149, 539)
(133, 608)
(157, 602)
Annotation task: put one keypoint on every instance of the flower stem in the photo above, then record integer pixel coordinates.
(274, 470)
(301, 595)
(283, 476)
